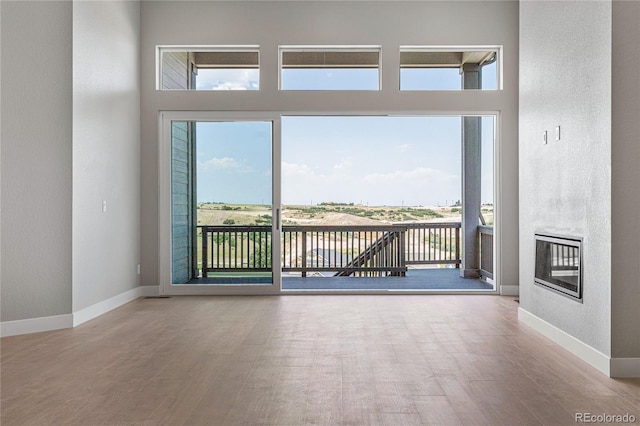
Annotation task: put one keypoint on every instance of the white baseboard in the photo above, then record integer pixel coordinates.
(100, 308)
(594, 357)
(509, 290)
(149, 291)
(35, 325)
(625, 367)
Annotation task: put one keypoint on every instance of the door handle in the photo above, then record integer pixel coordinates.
(278, 219)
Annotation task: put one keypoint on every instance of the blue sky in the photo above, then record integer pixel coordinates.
(409, 161)
(228, 79)
(233, 161)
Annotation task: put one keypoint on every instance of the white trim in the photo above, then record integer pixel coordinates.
(160, 49)
(100, 308)
(57, 322)
(164, 198)
(276, 202)
(164, 201)
(497, 200)
(625, 367)
(509, 290)
(310, 292)
(35, 325)
(149, 290)
(208, 47)
(590, 355)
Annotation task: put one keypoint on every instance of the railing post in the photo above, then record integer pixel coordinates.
(486, 251)
(402, 243)
(458, 260)
(304, 254)
(205, 249)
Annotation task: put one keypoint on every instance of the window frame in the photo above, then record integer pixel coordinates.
(160, 49)
(329, 48)
(458, 48)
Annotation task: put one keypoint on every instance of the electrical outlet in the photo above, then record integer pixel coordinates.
(138, 269)
(557, 133)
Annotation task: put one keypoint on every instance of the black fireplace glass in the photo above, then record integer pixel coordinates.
(558, 264)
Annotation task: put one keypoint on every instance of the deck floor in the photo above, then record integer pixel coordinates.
(443, 279)
(416, 279)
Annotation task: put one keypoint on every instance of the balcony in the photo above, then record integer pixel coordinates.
(407, 256)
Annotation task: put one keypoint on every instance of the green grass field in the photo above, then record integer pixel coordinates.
(328, 214)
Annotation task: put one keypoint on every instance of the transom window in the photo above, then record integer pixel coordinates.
(424, 68)
(209, 68)
(330, 68)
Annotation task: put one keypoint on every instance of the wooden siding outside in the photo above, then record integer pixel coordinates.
(181, 211)
(175, 71)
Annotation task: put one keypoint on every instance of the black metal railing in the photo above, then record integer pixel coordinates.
(433, 243)
(376, 250)
(230, 248)
(344, 250)
(485, 234)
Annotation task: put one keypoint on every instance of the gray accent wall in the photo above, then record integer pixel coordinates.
(565, 186)
(579, 66)
(36, 158)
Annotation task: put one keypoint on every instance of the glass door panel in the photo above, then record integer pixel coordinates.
(221, 202)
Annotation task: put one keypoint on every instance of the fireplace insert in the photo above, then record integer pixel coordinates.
(559, 264)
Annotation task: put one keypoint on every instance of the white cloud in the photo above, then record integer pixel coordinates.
(344, 165)
(349, 182)
(216, 79)
(225, 163)
(407, 176)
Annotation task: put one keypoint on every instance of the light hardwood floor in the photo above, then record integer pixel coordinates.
(294, 360)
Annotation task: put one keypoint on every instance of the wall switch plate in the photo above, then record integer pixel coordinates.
(104, 206)
(544, 137)
(557, 133)
(138, 269)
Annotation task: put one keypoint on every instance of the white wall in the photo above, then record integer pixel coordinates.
(389, 24)
(565, 186)
(36, 159)
(106, 149)
(625, 181)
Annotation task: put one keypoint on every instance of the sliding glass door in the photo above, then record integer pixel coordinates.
(371, 203)
(224, 228)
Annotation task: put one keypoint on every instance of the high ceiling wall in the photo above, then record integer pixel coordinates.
(389, 24)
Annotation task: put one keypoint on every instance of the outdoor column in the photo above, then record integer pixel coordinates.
(471, 179)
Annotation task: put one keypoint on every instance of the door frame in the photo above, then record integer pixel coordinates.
(164, 224)
(164, 203)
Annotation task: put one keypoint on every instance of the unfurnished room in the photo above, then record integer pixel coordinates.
(319, 212)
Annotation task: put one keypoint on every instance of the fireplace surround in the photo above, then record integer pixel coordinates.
(558, 264)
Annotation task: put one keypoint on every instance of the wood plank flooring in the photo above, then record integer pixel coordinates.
(296, 360)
